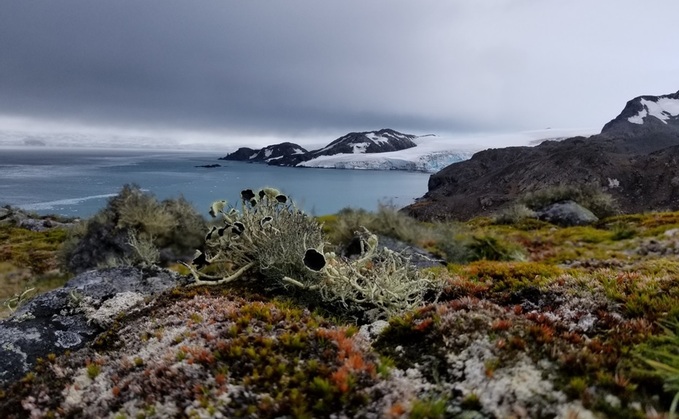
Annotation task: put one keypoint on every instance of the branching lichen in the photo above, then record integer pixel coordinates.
(271, 237)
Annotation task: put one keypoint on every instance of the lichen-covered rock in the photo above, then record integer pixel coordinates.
(69, 317)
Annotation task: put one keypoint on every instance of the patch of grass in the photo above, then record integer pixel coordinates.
(514, 214)
(662, 355)
(28, 260)
(428, 409)
(387, 221)
(489, 247)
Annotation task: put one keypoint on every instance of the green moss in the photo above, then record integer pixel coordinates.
(93, 370)
(471, 402)
(576, 387)
(507, 276)
(428, 409)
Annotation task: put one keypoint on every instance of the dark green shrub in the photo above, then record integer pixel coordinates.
(387, 221)
(514, 214)
(128, 229)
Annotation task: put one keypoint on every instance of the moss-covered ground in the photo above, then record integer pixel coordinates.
(535, 321)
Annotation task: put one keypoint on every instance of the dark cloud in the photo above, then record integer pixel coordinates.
(295, 67)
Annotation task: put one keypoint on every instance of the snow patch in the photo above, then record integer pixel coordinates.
(378, 139)
(359, 148)
(663, 109)
(267, 153)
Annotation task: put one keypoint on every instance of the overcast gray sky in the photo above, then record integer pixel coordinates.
(313, 69)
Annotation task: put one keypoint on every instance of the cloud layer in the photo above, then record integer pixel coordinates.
(304, 68)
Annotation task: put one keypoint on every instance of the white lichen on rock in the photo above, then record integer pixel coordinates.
(105, 314)
(517, 388)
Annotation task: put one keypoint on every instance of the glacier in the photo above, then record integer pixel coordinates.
(434, 152)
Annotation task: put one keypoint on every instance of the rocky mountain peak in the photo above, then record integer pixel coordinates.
(368, 142)
(644, 113)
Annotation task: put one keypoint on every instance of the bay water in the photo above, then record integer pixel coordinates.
(78, 182)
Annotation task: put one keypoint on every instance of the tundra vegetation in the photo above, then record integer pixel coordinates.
(522, 319)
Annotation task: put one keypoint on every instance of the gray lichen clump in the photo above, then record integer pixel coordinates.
(285, 247)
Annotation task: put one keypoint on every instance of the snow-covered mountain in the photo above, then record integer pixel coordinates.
(652, 110)
(382, 141)
(653, 121)
(354, 143)
(271, 154)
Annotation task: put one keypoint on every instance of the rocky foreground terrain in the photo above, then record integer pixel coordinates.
(530, 320)
(634, 158)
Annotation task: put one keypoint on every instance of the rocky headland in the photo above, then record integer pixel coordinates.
(634, 159)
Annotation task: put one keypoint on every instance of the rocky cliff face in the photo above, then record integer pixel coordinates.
(634, 159)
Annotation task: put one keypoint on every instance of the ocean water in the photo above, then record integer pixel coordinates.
(79, 182)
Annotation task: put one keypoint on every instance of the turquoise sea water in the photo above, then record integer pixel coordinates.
(78, 182)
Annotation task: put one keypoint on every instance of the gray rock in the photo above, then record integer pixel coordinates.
(4, 213)
(418, 257)
(70, 317)
(566, 214)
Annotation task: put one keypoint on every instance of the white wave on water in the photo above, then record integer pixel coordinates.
(49, 205)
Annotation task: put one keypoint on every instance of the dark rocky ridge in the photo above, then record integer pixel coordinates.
(635, 162)
(290, 154)
(282, 154)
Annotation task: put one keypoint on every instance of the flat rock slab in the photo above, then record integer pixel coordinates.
(70, 317)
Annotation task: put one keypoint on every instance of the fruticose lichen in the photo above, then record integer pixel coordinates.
(284, 246)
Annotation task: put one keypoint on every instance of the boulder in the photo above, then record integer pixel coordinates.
(567, 214)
